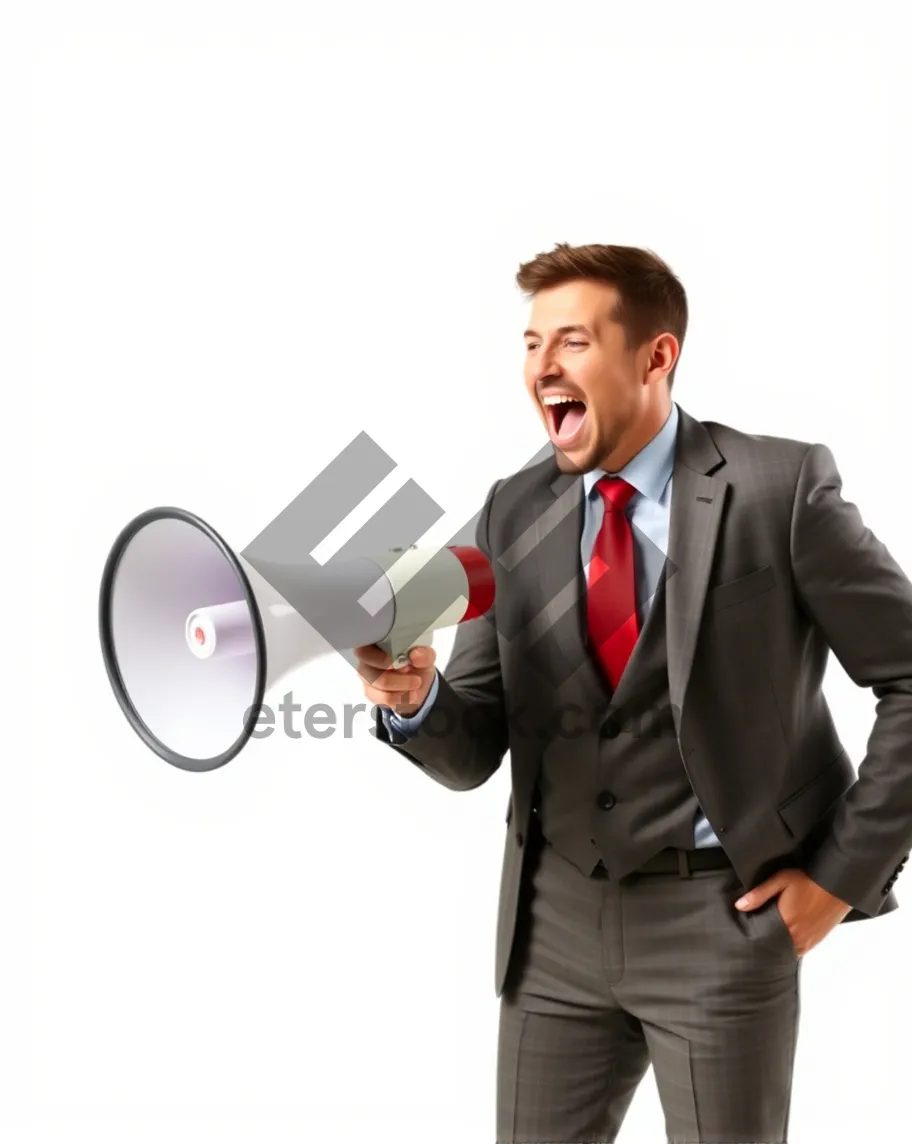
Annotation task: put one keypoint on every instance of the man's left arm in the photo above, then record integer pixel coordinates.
(861, 600)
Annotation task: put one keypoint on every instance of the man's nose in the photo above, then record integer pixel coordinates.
(547, 367)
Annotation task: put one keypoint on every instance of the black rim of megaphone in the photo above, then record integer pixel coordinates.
(110, 659)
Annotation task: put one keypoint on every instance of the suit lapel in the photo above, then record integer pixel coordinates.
(558, 530)
(697, 502)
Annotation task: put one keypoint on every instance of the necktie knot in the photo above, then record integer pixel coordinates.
(615, 492)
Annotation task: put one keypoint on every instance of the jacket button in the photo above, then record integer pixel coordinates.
(610, 729)
(605, 800)
(519, 838)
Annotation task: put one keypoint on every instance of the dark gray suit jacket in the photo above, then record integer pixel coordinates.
(768, 569)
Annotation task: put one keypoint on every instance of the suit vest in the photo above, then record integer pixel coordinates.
(616, 790)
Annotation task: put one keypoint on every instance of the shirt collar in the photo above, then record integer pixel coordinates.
(648, 472)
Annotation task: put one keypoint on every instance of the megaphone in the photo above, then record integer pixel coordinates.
(193, 636)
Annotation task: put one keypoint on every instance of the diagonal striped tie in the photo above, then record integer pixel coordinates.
(611, 611)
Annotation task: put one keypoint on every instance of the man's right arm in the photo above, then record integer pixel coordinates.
(459, 735)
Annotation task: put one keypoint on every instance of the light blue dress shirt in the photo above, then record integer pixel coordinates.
(649, 510)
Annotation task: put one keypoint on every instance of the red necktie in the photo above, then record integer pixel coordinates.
(611, 594)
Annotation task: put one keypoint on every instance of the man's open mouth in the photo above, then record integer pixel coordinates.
(566, 418)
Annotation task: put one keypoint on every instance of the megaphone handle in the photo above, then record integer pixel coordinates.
(399, 653)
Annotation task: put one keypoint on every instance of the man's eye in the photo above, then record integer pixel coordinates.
(534, 345)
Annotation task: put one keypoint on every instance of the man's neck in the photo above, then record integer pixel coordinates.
(638, 439)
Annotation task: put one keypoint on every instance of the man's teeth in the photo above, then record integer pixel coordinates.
(556, 399)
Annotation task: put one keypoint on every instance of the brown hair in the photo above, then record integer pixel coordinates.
(651, 300)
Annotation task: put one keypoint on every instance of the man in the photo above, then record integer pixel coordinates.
(667, 593)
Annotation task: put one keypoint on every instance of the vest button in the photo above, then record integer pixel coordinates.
(605, 800)
(610, 729)
(519, 838)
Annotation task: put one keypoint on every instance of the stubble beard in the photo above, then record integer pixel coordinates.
(592, 457)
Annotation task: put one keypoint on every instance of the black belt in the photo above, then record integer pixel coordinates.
(675, 861)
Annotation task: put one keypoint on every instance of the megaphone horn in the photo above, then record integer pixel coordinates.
(193, 635)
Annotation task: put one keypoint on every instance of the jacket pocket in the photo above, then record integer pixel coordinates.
(744, 588)
(807, 805)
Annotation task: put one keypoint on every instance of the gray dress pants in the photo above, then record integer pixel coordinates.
(609, 977)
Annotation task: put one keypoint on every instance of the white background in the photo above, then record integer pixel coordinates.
(255, 232)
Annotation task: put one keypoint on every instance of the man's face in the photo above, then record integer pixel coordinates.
(589, 363)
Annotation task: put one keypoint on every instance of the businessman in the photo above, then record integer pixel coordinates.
(684, 823)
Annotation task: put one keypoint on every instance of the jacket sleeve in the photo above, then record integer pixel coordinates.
(463, 738)
(861, 601)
